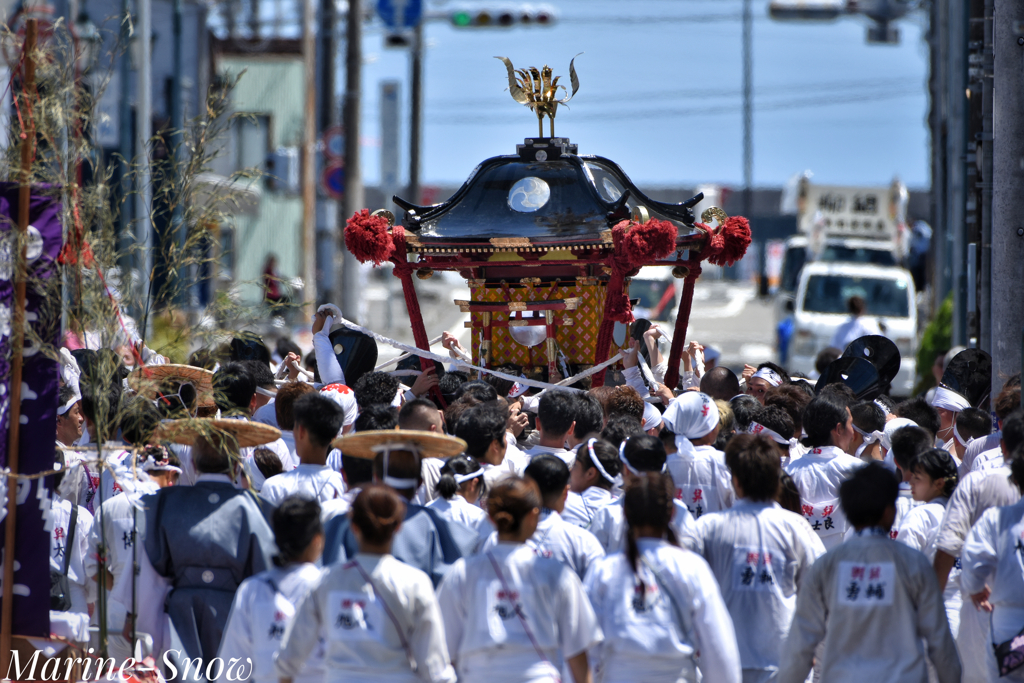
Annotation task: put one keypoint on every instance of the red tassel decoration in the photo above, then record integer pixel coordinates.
(367, 237)
(649, 241)
(730, 243)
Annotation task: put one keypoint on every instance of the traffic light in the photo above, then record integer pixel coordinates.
(503, 17)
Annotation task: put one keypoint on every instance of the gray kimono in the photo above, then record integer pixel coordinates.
(205, 539)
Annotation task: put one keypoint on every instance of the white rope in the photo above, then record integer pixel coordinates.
(423, 353)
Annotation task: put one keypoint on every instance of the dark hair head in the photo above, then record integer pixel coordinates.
(203, 358)
(825, 358)
(1012, 381)
(267, 462)
(101, 399)
(909, 442)
(624, 400)
(456, 408)
(59, 463)
(620, 428)
(479, 427)
(918, 410)
(212, 453)
(775, 419)
(645, 453)
(556, 411)
(401, 465)
(855, 305)
(867, 494)
(501, 385)
(1013, 430)
(459, 465)
(589, 415)
(839, 392)
(233, 387)
(309, 362)
(139, 420)
(606, 454)
(375, 387)
(973, 423)
(743, 409)
(283, 346)
(820, 417)
(377, 512)
(376, 417)
(789, 495)
(936, 463)
(449, 384)
(65, 394)
(886, 403)
(285, 402)
(249, 346)
(720, 382)
(648, 502)
(296, 523)
(419, 414)
(320, 416)
(551, 474)
(1017, 467)
(868, 416)
(358, 471)
(755, 462)
(804, 386)
(478, 389)
(792, 399)
(261, 373)
(510, 501)
(602, 394)
(1006, 402)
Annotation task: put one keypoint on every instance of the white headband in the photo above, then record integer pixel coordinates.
(396, 482)
(949, 400)
(614, 481)
(622, 457)
(881, 405)
(758, 428)
(266, 392)
(769, 375)
(461, 479)
(518, 389)
(956, 435)
(652, 417)
(61, 410)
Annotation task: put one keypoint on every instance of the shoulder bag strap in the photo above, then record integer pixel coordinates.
(519, 613)
(71, 538)
(387, 610)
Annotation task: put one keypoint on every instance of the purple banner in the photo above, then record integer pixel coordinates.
(38, 399)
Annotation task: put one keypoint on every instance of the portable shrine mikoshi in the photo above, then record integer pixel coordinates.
(547, 238)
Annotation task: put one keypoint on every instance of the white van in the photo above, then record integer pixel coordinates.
(820, 308)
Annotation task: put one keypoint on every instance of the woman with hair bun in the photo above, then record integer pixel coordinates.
(379, 618)
(933, 478)
(460, 487)
(659, 606)
(266, 603)
(512, 615)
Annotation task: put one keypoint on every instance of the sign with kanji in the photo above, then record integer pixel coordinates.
(866, 585)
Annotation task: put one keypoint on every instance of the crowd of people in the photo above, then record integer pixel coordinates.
(468, 527)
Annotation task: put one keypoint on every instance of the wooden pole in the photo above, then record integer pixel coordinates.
(18, 344)
(308, 171)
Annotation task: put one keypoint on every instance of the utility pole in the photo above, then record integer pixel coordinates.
(353, 173)
(178, 227)
(416, 114)
(326, 208)
(1007, 227)
(124, 216)
(309, 157)
(748, 133)
(985, 145)
(144, 126)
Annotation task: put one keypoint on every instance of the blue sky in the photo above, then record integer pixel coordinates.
(660, 94)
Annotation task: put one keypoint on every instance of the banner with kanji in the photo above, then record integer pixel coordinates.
(38, 399)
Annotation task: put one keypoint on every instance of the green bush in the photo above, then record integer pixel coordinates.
(937, 338)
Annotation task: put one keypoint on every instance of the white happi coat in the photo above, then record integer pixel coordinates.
(82, 590)
(265, 604)
(760, 555)
(703, 482)
(486, 637)
(992, 459)
(609, 525)
(458, 509)
(994, 555)
(655, 633)
(919, 529)
(876, 605)
(574, 547)
(817, 476)
(580, 508)
(318, 482)
(976, 447)
(354, 619)
(568, 457)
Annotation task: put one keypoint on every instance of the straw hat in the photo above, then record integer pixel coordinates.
(146, 380)
(366, 445)
(245, 433)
